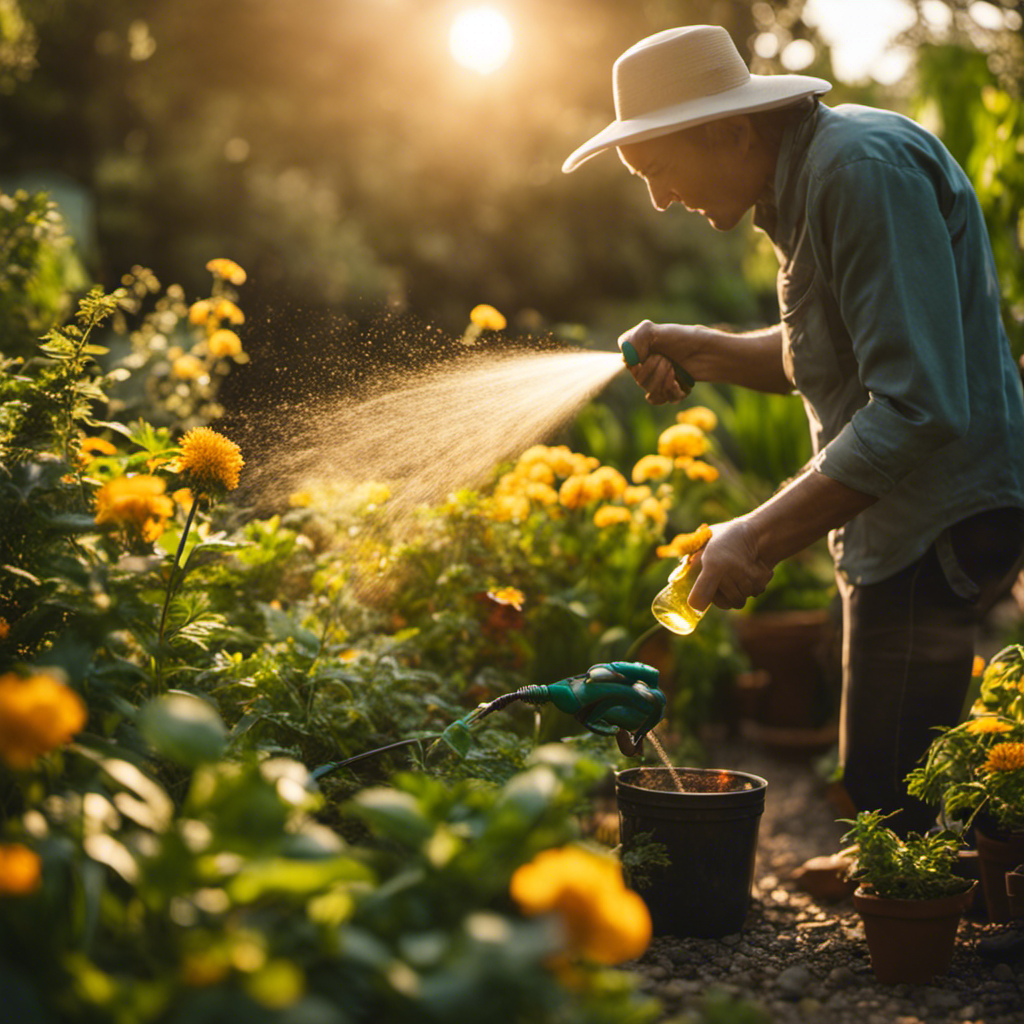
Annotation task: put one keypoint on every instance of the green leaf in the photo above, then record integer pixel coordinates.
(394, 814)
(458, 737)
(183, 728)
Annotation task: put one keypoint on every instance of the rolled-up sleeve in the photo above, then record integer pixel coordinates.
(882, 240)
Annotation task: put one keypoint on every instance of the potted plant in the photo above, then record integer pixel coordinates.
(909, 898)
(974, 773)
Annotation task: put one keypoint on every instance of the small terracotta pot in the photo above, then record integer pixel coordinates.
(1015, 890)
(995, 858)
(910, 941)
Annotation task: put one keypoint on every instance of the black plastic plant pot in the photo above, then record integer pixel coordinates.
(709, 830)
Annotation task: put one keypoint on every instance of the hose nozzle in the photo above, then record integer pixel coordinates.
(683, 377)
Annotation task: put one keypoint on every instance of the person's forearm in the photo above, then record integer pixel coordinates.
(751, 360)
(801, 513)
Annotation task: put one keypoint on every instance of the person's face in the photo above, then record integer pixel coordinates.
(716, 170)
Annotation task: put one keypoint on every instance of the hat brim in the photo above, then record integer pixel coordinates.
(761, 92)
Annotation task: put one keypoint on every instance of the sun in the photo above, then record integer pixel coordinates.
(480, 39)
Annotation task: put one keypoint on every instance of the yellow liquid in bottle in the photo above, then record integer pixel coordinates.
(672, 607)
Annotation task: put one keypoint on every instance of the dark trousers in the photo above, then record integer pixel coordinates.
(908, 649)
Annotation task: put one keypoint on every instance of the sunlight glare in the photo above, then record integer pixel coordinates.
(480, 39)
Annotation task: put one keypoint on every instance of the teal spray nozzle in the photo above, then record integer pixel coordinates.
(607, 697)
(683, 377)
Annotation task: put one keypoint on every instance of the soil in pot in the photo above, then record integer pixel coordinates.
(708, 829)
(911, 941)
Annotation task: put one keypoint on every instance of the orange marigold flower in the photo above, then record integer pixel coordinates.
(227, 310)
(654, 510)
(697, 470)
(96, 446)
(543, 494)
(508, 595)
(136, 504)
(651, 467)
(699, 416)
(686, 543)
(227, 269)
(612, 515)
(563, 461)
(187, 367)
(987, 724)
(5, 628)
(224, 343)
(1004, 757)
(682, 439)
(20, 870)
(183, 497)
(38, 713)
(573, 492)
(510, 507)
(978, 668)
(210, 461)
(606, 482)
(635, 495)
(603, 920)
(540, 472)
(199, 312)
(487, 318)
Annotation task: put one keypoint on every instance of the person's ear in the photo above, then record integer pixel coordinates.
(731, 134)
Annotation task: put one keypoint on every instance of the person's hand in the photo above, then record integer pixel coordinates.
(730, 569)
(657, 345)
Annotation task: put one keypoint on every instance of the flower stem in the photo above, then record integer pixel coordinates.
(638, 643)
(174, 569)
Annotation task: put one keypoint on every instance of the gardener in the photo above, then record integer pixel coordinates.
(890, 333)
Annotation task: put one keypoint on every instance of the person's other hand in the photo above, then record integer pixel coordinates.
(730, 570)
(655, 372)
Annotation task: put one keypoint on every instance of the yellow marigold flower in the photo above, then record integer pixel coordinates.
(227, 310)
(210, 461)
(187, 367)
(635, 495)
(20, 870)
(612, 515)
(652, 509)
(136, 504)
(562, 460)
(487, 318)
(540, 472)
(543, 494)
(603, 920)
(301, 499)
(682, 439)
(535, 453)
(508, 595)
(686, 543)
(697, 470)
(510, 507)
(987, 724)
(224, 344)
(699, 416)
(96, 446)
(1004, 757)
(199, 312)
(573, 492)
(38, 713)
(227, 269)
(183, 497)
(376, 494)
(5, 628)
(606, 482)
(652, 467)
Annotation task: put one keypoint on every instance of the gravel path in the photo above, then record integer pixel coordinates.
(803, 960)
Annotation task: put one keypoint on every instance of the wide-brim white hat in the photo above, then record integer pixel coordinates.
(684, 77)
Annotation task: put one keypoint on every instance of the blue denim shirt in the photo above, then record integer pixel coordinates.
(891, 331)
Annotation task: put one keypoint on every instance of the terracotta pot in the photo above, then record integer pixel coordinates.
(709, 831)
(910, 941)
(1015, 890)
(997, 856)
(789, 647)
